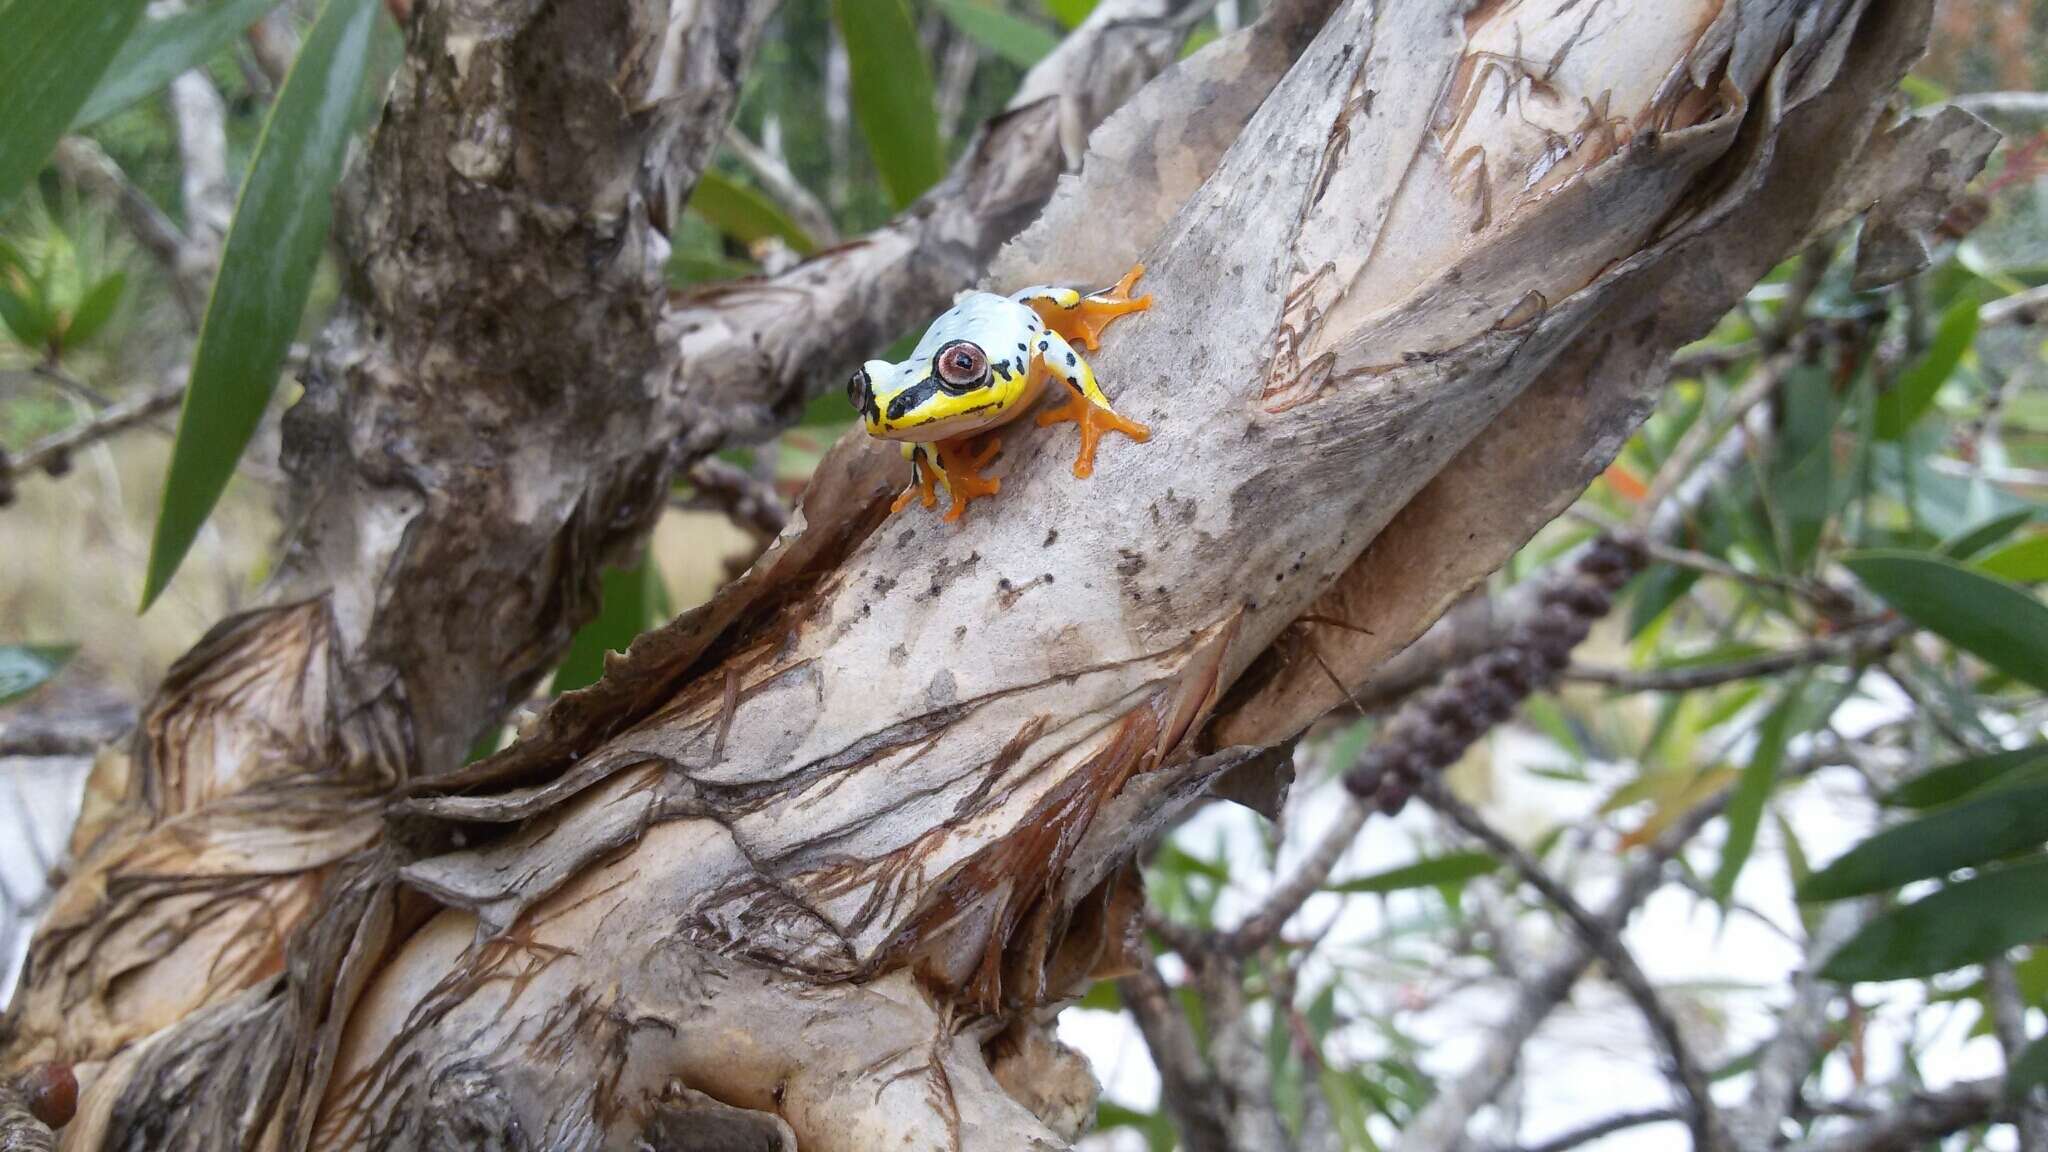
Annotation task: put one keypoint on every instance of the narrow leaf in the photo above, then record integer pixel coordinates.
(159, 51)
(1953, 781)
(94, 310)
(1753, 791)
(1013, 38)
(273, 247)
(24, 315)
(744, 214)
(25, 667)
(2022, 561)
(1961, 924)
(1967, 545)
(892, 94)
(625, 612)
(1981, 829)
(1912, 394)
(1983, 615)
(52, 52)
(1450, 868)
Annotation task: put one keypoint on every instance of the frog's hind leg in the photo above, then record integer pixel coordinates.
(1084, 404)
(924, 477)
(1082, 318)
(961, 460)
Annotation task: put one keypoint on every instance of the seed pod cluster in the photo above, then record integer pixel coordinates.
(1429, 732)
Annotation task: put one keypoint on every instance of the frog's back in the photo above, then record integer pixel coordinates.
(997, 323)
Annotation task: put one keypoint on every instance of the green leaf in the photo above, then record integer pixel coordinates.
(892, 94)
(1952, 781)
(1961, 924)
(2028, 1071)
(25, 667)
(1968, 544)
(744, 214)
(24, 314)
(625, 612)
(1450, 868)
(1102, 996)
(1801, 488)
(1909, 397)
(273, 247)
(1999, 623)
(1983, 828)
(159, 51)
(1753, 791)
(2022, 561)
(686, 268)
(52, 52)
(1013, 38)
(1070, 13)
(94, 310)
(1177, 861)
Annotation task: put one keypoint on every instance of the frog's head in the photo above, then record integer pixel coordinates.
(953, 392)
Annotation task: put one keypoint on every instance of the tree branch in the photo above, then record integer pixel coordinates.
(1606, 1126)
(1604, 942)
(1866, 641)
(1913, 1122)
(2009, 1023)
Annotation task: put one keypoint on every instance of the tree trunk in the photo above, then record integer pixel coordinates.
(813, 864)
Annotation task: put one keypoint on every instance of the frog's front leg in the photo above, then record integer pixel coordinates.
(1082, 318)
(961, 460)
(1084, 402)
(924, 477)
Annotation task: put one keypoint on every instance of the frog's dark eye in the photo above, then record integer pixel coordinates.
(960, 366)
(857, 389)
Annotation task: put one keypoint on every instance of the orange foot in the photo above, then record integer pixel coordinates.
(1094, 421)
(1085, 321)
(922, 483)
(963, 458)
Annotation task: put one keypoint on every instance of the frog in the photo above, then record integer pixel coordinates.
(985, 362)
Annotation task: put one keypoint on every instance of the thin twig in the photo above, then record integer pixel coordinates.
(745, 498)
(1850, 644)
(1259, 929)
(1604, 941)
(1699, 440)
(53, 453)
(780, 183)
(2009, 1023)
(2020, 308)
(1916, 1121)
(2015, 105)
(1440, 1125)
(1607, 1126)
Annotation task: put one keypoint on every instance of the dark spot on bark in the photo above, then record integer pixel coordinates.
(1052, 536)
(1131, 563)
(883, 584)
(942, 690)
(899, 655)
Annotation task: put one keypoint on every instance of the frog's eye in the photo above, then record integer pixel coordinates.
(960, 366)
(857, 389)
